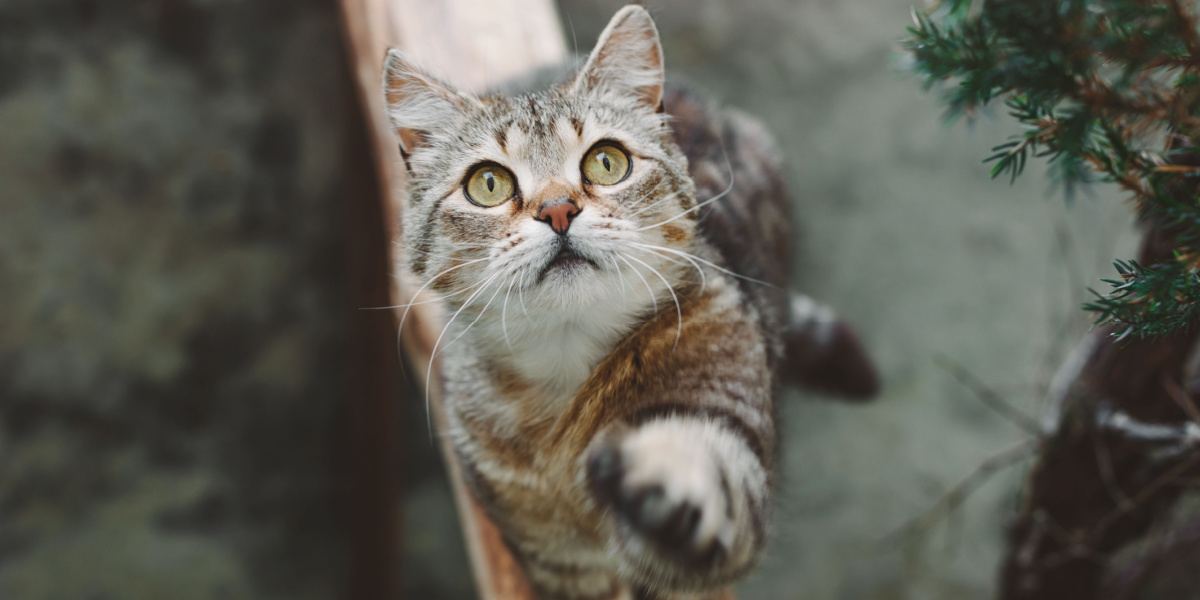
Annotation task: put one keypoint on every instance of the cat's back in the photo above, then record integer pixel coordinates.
(747, 211)
(734, 163)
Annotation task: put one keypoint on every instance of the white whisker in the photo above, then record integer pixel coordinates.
(504, 313)
(521, 296)
(482, 311)
(652, 204)
(620, 275)
(417, 293)
(707, 262)
(437, 344)
(453, 254)
(649, 290)
(442, 296)
(723, 193)
(678, 308)
(658, 252)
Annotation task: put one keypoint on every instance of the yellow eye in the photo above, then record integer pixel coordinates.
(606, 164)
(490, 185)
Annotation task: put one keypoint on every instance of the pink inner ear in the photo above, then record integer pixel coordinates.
(417, 102)
(410, 139)
(628, 57)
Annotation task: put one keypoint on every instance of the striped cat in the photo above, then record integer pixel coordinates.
(613, 258)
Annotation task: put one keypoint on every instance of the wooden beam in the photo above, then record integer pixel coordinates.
(473, 44)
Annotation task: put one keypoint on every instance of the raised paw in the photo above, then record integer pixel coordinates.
(667, 489)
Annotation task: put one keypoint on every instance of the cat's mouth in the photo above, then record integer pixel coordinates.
(567, 259)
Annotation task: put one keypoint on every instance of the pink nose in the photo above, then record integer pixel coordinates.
(558, 214)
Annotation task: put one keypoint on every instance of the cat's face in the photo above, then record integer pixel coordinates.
(573, 197)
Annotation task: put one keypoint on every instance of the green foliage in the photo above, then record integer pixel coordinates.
(1103, 90)
(1151, 300)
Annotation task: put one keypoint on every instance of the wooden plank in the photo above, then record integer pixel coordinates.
(473, 44)
(371, 461)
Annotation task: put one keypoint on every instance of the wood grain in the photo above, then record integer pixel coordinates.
(473, 44)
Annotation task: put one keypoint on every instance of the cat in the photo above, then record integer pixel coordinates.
(613, 257)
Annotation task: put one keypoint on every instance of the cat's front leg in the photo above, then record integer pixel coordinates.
(687, 494)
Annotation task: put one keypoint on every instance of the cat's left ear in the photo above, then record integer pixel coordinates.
(417, 102)
(628, 59)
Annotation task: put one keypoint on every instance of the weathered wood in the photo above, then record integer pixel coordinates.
(473, 44)
(371, 460)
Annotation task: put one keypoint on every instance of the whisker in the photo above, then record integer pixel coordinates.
(440, 298)
(404, 316)
(653, 204)
(620, 275)
(451, 255)
(441, 295)
(649, 290)
(670, 259)
(405, 305)
(455, 248)
(504, 313)
(437, 343)
(678, 308)
(688, 258)
(477, 317)
(707, 262)
(723, 193)
(521, 296)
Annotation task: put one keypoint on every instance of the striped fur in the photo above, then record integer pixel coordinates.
(613, 415)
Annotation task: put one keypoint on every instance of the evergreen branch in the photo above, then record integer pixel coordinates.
(1186, 26)
(1149, 300)
(1093, 85)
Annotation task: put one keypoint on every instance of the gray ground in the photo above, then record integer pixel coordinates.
(172, 181)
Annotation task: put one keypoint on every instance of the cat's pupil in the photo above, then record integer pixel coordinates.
(604, 160)
(491, 181)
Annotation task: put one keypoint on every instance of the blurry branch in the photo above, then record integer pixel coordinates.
(1169, 477)
(953, 498)
(1175, 546)
(989, 397)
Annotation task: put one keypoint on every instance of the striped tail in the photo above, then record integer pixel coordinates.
(823, 353)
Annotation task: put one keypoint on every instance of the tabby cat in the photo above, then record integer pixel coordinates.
(613, 258)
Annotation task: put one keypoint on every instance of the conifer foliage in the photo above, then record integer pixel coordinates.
(1104, 91)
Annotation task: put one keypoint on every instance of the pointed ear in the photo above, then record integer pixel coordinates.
(418, 103)
(627, 59)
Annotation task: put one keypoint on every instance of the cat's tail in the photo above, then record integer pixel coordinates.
(823, 353)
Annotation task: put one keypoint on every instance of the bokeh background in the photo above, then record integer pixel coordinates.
(182, 185)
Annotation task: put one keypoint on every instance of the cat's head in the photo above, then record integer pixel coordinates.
(573, 196)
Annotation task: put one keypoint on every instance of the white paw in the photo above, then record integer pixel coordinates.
(665, 484)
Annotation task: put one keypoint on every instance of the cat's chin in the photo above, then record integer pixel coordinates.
(566, 265)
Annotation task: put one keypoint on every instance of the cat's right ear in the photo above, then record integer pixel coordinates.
(627, 59)
(418, 103)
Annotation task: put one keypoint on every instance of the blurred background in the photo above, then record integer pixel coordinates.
(183, 253)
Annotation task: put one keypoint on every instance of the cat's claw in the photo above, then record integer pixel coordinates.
(664, 491)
